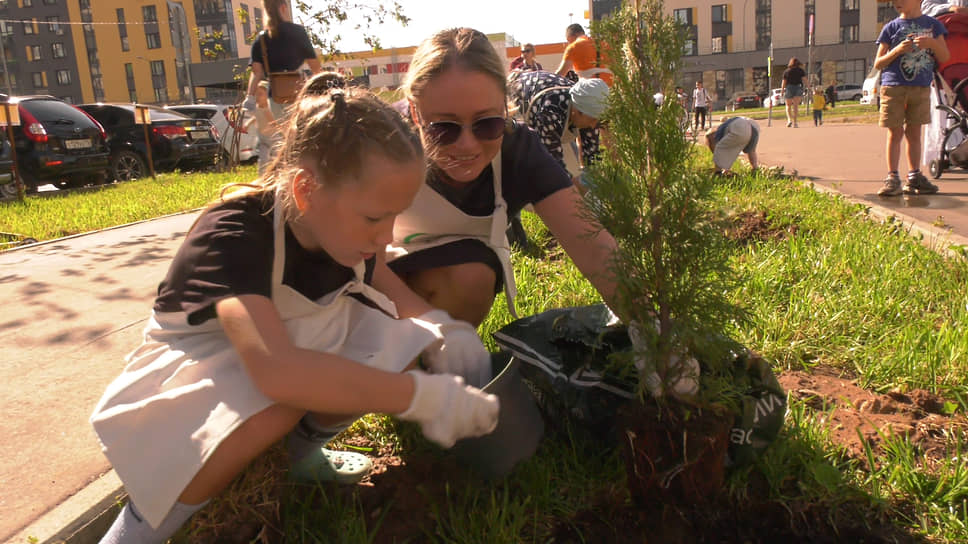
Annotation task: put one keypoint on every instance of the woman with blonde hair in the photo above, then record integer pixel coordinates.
(450, 245)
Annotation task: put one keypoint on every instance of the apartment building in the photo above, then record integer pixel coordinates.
(730, 41)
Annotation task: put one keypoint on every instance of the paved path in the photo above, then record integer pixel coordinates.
(74, 307)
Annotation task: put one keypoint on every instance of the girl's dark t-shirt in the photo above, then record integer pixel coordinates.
(794, 76)
(288, 49)
(229, 252)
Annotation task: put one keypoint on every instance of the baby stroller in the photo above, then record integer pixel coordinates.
(946, 139)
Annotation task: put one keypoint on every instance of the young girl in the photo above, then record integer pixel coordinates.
(450, 245)
(278, 305)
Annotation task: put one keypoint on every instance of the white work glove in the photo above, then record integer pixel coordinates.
(447, 410)
(460, 351)
(682, 376)
(249, 103)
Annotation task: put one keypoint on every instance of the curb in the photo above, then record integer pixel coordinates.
(81, 519)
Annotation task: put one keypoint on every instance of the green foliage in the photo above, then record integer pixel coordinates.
(323, 17)
(671, 268)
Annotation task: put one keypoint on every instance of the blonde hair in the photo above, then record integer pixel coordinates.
(333, 131)
(456, 47)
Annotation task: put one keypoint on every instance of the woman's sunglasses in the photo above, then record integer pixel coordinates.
(448, 132)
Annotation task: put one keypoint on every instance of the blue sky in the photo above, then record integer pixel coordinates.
(536, 21)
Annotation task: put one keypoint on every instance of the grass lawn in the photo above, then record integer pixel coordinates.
(844, 112)
(839, 304)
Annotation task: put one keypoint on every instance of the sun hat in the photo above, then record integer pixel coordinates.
(589, 96)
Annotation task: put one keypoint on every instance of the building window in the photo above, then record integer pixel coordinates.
(161, 95)
(149, 14)
(33, 53)
(37, 78)
(125, 44)
(258, 19)
(27, 3)
(719, 44)
(849, 33)
(246, 23)
(154, 40)
(157, 67)
(50, 2)
(886, 13)
(851, 71)
(57, 50)
(63, 77)
(683, 16)
(29, 27)
(719, 14)
(132, 95)
(764, 24)
(54, 26)
(129, 70)
(847, 5)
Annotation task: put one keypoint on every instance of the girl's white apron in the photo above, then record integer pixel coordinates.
(433, 221)
(185, 389)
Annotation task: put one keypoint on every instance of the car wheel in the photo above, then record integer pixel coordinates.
(128, 165)
(935, 168)
(855, 98)
(8, 190)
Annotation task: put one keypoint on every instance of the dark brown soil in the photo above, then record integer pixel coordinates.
(401, 494)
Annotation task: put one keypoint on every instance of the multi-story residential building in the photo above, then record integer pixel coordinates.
(732, 39)
(104, 50)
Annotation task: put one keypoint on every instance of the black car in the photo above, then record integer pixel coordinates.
(177, 141)
(742, 100)
(58, 143)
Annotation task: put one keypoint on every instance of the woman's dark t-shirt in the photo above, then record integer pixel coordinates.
(288, 49)
(794, 76)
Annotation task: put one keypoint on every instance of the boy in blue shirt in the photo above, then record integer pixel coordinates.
(909, 49)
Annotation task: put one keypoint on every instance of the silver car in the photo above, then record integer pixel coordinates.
(225, 119)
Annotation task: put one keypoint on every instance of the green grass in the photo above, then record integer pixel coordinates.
(844, 112)
(836, 289)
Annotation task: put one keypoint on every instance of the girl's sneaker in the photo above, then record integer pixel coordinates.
(917, 184)
(892, 186)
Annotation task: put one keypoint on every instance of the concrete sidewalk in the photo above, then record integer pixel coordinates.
(76, 306)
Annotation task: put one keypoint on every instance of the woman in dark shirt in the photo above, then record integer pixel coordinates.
(793, 90)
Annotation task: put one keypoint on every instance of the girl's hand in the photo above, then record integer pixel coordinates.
(460, 352)
(447, 410)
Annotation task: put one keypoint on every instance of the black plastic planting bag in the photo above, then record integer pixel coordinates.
(564, 361)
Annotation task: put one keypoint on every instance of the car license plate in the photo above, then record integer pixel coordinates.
(82, 143)
(197, 135)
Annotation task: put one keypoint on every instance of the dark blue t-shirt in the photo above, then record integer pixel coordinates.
(916, 67)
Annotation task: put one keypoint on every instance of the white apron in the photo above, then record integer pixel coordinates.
(569, 136)
(433, 221)
(185, 389)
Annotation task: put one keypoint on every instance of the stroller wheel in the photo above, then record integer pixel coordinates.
(936, 167)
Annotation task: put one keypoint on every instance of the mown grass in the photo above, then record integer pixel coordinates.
(844, 112)
(838, 289)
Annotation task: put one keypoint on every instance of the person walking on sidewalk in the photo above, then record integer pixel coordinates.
(909, 48)
(280, 317)
(793, 90)
(700, 105)
(818, 104)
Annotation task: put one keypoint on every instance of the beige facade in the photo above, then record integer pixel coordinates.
(733, 38)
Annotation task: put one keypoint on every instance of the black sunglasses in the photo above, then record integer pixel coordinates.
(447, 132)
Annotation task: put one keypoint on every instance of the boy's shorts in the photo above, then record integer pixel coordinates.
(904, 105)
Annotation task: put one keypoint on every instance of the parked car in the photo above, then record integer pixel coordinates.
(777, 97)
(847, 92)
(741, 100)
(871, 89)
(8, 185)
(58, 143)
(177, 140)
(225, 120)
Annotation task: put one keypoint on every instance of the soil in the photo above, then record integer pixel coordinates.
(388, 493)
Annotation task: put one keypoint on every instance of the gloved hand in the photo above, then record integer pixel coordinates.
(249, 103)
(460, 351)
(447, 410)
(682, 377)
